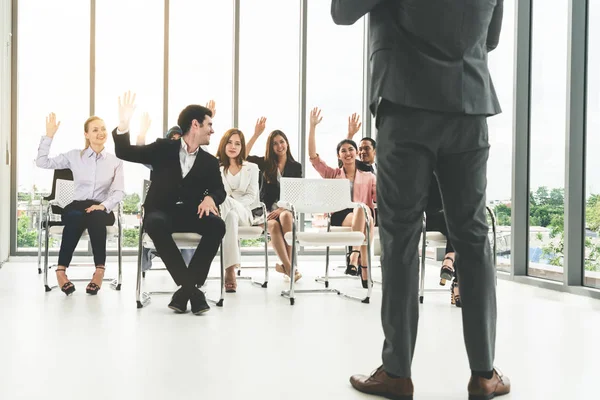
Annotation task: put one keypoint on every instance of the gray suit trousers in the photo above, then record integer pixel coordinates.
(412, 144)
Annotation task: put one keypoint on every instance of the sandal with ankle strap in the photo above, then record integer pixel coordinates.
(68, 288)
(455, 299)
(92, 288)
(351, 270)
(447, 271)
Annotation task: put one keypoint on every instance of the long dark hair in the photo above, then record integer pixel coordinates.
(222, 154)
(271, 159)
(359, 164)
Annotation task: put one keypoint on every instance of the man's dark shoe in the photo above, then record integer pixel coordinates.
(381, 384)
(198, 302)
(486, 389)
(179, 301)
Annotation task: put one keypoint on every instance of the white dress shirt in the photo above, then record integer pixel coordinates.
(186, 159)
(97, 176)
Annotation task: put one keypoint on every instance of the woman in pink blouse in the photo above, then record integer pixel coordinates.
(363, 188)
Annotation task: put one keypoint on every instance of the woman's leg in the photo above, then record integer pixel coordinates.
(231, 251)
(96, 223)
(286, 222)
(278, 243)
(72, 231)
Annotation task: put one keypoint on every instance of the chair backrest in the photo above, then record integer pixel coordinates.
(65, 190)
(65, 174)
(145, 189)
(316, 195)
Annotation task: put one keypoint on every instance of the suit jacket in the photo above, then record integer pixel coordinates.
(429, 54)
(364, 191)
(248, 191)
(168, 186)
(269, 192)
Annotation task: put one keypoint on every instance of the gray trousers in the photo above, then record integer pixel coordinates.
(412, 144)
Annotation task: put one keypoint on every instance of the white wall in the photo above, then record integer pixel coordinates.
(5, 125)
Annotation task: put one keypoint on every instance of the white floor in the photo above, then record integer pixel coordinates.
(259, 347)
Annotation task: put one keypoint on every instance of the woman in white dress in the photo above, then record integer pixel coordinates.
(240, 179)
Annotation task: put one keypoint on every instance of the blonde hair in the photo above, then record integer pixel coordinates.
(86, 127)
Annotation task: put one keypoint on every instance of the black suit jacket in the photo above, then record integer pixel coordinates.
(168, 186)
(429, 54)
(269, 192)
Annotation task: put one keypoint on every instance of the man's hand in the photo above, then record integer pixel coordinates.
(98, 207)
(207, 206)
(260, 126)
(51, 125)
(315, 117)
(211, 105)
(144, 127)
(354, 125)
(126, 109)
(275, 214)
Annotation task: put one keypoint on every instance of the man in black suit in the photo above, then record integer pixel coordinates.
(184, 195)
(431, 92)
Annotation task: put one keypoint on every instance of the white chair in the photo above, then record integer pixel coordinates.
(321, 196)
(435, 239)
(65, 190)
(182, 240)
(256, 232)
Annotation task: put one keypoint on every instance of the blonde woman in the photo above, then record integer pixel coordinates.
(240, 179)
(98, 178)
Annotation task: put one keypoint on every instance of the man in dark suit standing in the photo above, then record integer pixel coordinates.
(431, 93)
(184, 195)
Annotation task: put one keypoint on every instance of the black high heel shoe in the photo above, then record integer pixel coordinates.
(351, 269)
(92, 288)
(68, 288)
(447, 272)
(455, 297)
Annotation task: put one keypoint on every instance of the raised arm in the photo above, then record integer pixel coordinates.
(123, 148)
(117, 189)
(493, 36)
(347, 12)
(259, 128)
(354, 125)
(315, 119)
(43, 161)
(144, 127)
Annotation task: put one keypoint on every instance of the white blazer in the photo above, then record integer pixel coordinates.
(248, 192)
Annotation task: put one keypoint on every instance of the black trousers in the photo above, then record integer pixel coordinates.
(76, 221)
(412, 144)
(160, 226)
(436, 222)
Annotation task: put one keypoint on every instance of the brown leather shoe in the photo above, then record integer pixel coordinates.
(380, 383)
(485, 389)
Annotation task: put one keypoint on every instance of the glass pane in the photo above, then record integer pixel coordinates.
(203, 72)
(592, 216)
(53, 76)
(548, 118)
(334, 84)
(499, 177)
(129, 56)
(269, 69)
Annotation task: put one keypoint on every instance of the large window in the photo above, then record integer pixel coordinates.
(129, 56)
(592, 226)
(270, 69)
(548, 118)
(334, 79)
(499, 174)
(201, 61)
(53, 76)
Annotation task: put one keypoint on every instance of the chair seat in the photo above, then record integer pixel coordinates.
(250, 232)
(327, 238)
(435, 237)
(182, 240)
(56, 232)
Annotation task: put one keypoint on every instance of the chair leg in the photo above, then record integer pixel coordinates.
(39, 259)
(423, 252)
(46, 254)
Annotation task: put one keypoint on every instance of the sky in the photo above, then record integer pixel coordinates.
(54, 72)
